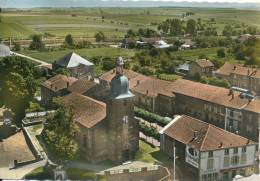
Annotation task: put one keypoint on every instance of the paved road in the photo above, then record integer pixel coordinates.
(33, 59)
(20, 172)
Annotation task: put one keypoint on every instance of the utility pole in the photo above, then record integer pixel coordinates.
(174, 157)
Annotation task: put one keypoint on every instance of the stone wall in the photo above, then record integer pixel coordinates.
(145, 174)
(92, 142)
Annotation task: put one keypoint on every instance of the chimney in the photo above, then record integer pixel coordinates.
(248, 141)
(231, 92)
(196, 134)
(68, 84)
(220, 145)
(147, 91)
(248, 72)
(138, 82)
(234, 67)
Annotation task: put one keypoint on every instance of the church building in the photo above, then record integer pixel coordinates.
(107, 131)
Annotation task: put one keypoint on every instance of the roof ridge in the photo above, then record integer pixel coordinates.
(202, 144)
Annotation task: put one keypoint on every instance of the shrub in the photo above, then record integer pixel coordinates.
(149, 131)
(151, 117)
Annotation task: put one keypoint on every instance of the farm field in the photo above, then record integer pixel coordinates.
(52, 56)
(114, 22)
(208, 53)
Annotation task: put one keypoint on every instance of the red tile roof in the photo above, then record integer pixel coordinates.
(58, 82)
(209, 137)
(154, 87)
(108, 76)
(81, 86)
(192, 43)
(235, 68)
(204, 63)
(150, 40)
(218, 95)
(88, 111)
(49, 66)
(253, 106)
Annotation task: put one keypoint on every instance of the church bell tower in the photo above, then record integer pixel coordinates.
(123, 130)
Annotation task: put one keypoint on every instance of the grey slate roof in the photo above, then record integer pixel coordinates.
(72, 60)
(120, 87)
(4, 50)
(185, 66)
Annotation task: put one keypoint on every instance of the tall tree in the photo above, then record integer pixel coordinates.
(69, 40)
(56, 131)
(36, 43)
(191, 27)
(100, 36)
(17, 85)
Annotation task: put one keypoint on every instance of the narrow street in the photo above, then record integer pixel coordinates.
(33, 59)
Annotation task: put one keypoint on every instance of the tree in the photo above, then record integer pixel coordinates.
(130, 33)
(228, 30)
(61, 71)
(221, 53)
(100, 36)
(56, 132)
(17, 85)
(108, 63)
(17, 46)
(196, 76)
(36, 43)
(191, 27)
(69, 40)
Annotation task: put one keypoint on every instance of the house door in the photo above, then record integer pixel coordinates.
(126, 154)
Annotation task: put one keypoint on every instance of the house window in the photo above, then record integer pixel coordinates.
(215, 176)
(210, 163)
(231, 113)
(226, 161)
(231, 122)
(210, 154)
(244, 149)
(235, 160)
(225, 175)
(227, 151)
(235, 150)
(243, 158)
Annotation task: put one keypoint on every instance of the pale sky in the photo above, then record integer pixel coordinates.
(109, 3)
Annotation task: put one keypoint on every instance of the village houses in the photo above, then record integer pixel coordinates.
(208, 152)
(241, 76)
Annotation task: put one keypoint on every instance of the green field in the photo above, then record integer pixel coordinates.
(209, 53)
(102, 51)
(116, 21)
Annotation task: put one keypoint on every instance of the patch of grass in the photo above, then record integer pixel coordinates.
(80, 174)
(168, 77)
(149, 154)
(39, 174)
(27, 120)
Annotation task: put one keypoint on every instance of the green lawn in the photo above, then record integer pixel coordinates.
(38, 174)
(147, 153)
(80, 174)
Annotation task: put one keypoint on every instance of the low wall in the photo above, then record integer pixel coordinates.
(146, 174)
(37, 154)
